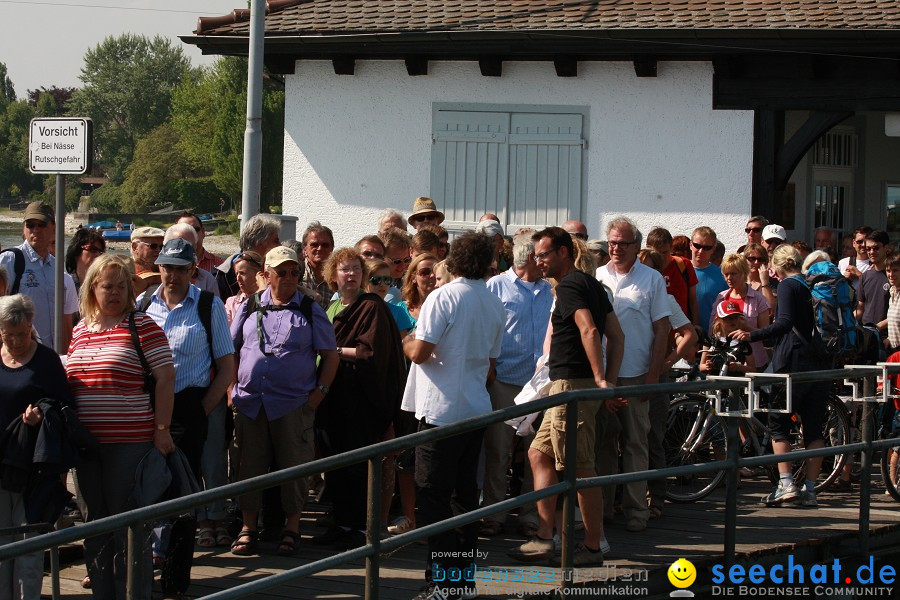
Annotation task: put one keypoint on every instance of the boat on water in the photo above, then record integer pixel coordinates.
(113, 235)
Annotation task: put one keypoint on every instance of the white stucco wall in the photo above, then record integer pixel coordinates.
(657, 152)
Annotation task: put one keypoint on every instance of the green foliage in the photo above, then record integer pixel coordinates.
(209, 112)
(73, 195)
(7, 91)
(128, 86)
(106, 198)
(151, 177)
(55, 105)
(158, 224)
(275, 209)
(199, 194)
(229, 227)
(15, 118)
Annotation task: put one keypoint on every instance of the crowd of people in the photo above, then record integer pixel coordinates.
(219, 369)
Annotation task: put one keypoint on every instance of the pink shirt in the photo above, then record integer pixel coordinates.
(754, 305)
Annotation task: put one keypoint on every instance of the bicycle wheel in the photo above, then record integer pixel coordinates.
(890, 471)
(693, 436)
(835, 432)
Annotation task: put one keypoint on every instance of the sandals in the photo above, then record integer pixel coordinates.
(222, 537)
(206, 537)
(246, 543)
(288, 544)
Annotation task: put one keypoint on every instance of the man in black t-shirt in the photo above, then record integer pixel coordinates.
(581, 317)
(874, 289)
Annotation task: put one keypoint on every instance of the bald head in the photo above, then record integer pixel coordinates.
(576, 228)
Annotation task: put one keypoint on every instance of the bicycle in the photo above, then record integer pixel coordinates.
(695, 434)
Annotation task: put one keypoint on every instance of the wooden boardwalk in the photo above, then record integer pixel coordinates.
(693, 531)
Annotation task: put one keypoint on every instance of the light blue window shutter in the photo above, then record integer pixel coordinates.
(469, 164)
(545, 164)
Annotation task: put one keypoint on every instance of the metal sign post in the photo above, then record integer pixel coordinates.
(60, 146)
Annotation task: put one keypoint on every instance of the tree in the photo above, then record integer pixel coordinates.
(15, 118)
(128, 85)
(158, 164)
(52, 99)
(209, 112)
(7, 91)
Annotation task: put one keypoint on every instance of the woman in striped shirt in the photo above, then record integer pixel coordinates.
(107, 379)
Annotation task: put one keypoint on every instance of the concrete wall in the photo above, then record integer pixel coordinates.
(657, 152)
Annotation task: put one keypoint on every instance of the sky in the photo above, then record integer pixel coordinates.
(43, 42)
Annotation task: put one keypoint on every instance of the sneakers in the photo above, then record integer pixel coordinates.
(533, 551)
(782, 494)
(807, 499)
(399, 525)
(582, 557)
(636, 525)
(433, 592)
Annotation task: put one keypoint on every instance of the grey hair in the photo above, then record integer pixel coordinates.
(293, 245)
(390, 213)
(813, 258)
(258, 230)
(316, 227)
(15, 310)
(180, 230)
(523, 246)
(758, 219)
(621, 222)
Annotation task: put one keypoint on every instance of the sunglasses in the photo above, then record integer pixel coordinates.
(92, 249)
(153, 246)
(286, 272)
(380, 280)
(754, 258)
(324, 245)
(248, 258)
(861, 242)
(370, 254)
(697, 246)
(35, 225)
(426, 272)
(398, 261)
(426, 217)
(753, 229)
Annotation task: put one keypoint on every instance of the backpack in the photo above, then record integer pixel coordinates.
(834, 304)
(19, 268)
(204, 310)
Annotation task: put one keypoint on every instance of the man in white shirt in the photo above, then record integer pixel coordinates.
(641, 304)
(852, 267)
(454, 350)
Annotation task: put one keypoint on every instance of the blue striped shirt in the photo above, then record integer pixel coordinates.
(527, 317)
(187, 338)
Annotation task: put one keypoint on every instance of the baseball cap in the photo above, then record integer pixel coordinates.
(726, 308)
(774, 231)
(280, 254)
(147, 232)
(39, 211)
(490, 228)
(176, 252)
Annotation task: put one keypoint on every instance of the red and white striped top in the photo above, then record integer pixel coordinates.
(107, 379)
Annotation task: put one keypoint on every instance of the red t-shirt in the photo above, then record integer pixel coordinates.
(679, 277)
(107, 379)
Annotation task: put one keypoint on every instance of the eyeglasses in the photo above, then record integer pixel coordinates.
(861, 242)
(754, 258)
(398, 261)
(543, 255)
(92, 249)
(380, 280)
(873, 248)
(177, 268)
(753, 229)
(35, 224)
(286, 272)
(426, 272)
(620, 243)
(350, 270)
(371, 254)
(425, 217)
(705, 247)
(153, 246)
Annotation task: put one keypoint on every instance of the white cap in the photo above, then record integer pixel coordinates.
(774, 231)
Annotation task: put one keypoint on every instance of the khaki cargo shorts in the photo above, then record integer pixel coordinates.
(550, 438)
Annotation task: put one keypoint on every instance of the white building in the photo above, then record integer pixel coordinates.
(674, 114)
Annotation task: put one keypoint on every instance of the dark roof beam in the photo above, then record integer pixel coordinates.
(344, 65)
(645, 67)
(566, 66)
(491, 66)
(281, 65)
(416, 65)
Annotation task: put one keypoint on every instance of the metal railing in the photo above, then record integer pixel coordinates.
(136, 520)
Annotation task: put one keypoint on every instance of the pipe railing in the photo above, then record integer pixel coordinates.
(136, 520)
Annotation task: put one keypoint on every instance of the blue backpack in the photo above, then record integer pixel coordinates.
(834, 304)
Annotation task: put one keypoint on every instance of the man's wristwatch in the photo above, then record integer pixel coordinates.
(324, 389)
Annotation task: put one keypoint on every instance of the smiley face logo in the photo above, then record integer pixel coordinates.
(682, 573)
